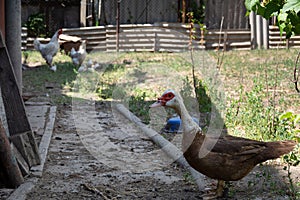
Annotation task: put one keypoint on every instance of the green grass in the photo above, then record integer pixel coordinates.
(273, 69)
(259, 88)
(38, 80)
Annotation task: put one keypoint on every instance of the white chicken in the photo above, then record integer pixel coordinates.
(78, 56)
(49, 50)
(82, 68)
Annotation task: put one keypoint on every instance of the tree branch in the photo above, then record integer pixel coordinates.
(296, 75)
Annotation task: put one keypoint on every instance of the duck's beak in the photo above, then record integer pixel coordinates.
(158, 103)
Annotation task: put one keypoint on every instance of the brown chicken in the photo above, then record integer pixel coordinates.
(224, 157)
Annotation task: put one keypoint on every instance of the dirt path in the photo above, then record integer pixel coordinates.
(72, 172)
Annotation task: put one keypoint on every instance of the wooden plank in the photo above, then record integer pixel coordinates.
(21, 161)
(45, 142)
(21, 192)
(17, 121)
(8, 165)
(12, 100)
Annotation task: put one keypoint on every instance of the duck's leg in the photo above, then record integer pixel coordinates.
(220, 188)
(213, 194)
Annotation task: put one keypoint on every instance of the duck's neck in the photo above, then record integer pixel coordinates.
(189, 126)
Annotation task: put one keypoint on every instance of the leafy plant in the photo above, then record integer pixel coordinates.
(292, 159)
(199, 11)
(139, 106)
(36, 25)
(288, 122)
(286, 12)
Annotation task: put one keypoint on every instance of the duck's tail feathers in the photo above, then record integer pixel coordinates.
(277, 149)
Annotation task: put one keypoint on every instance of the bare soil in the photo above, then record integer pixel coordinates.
(72, 172)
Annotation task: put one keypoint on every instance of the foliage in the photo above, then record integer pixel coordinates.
(198, 11)
(288, 122)
(204, 100)
(36, 25)
(286, 12)
(292, 159)
(139, 106)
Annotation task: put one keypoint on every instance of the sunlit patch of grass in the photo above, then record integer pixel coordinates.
(271, 68)
(35, 57)
(42, 81)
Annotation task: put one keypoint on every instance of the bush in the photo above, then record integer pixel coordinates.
(36, 25)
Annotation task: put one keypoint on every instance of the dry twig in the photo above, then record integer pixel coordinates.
(191, 53)
(220, 58)
(95, 190)
(296, 74)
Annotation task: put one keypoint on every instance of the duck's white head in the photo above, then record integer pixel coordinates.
(169, 99)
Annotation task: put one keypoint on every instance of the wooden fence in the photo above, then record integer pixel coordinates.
(278, 41)
(166, 37)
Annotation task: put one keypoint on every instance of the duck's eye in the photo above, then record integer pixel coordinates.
(168, 96)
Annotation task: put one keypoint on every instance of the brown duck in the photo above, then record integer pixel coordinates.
(225, 158)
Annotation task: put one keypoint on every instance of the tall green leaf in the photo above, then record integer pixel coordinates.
(291, 5)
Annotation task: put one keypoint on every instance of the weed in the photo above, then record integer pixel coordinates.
(292, 159)
(139, 106)
(187, 177)
(36, 25)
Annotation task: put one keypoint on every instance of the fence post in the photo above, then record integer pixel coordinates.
(83, 13)
(265, 33)
(156, 42)
(118, 25)
(13, 37)
(259, 31)
(253, 30)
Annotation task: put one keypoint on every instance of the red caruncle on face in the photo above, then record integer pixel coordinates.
(166, 97)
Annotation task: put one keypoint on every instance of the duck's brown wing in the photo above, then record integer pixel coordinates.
(237, 146)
